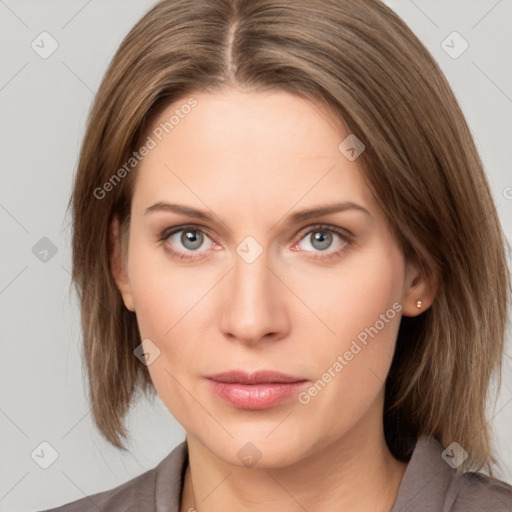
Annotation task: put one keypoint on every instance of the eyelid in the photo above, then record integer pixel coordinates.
(166, 233)
(346, 236)
(347, 240)
(197, 227)
(343, 232)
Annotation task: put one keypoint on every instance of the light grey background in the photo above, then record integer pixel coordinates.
(44, 104)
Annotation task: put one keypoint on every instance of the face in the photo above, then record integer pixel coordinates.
(248, 286)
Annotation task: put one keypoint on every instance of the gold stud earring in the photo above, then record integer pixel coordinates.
(418, 304)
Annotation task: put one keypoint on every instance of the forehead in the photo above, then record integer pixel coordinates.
(245, 151)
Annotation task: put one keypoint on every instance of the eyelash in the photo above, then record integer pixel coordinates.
(345, 236)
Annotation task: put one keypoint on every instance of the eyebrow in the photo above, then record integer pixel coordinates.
(299, 216)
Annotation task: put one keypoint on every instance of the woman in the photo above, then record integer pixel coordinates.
(283, 228)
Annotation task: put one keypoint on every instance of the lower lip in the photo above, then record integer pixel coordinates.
(255, 396)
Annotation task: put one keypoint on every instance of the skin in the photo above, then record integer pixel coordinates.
(251, 159)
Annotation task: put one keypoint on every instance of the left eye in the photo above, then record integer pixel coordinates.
(321, 238)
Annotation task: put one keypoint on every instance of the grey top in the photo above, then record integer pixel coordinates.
(429, 485)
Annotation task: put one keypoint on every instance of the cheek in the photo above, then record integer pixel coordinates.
(168, 301)
(375, 308)
(364, 312)
(353, 297)
(162, 291)
(164, 304)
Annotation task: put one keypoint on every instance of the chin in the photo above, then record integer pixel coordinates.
(258, 449)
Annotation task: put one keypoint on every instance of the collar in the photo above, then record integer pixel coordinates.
(428, 484)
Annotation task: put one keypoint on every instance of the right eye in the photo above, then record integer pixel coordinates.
(191, 238)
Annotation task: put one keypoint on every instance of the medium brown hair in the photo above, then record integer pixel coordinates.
(361, 61)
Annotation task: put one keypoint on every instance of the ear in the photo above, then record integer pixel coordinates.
(118, 264)
(418, 287)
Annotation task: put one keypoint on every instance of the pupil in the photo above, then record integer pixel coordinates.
(191, 237)
(325, 240)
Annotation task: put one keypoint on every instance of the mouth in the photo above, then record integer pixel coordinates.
(258, 390)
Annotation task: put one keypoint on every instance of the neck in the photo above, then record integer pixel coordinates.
(355, 473)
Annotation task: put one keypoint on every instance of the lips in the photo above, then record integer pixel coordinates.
(260, 377)
(258, 390)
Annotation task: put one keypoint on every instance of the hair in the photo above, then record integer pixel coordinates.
(362, 62)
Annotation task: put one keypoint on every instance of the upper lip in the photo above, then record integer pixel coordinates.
(259, 377)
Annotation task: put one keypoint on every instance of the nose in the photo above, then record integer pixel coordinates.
(253, 302)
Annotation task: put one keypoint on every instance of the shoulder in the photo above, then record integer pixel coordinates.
(480, 492)
(432, 484)
(163, 484)
(121, 498)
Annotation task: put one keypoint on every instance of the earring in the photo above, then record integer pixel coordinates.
(418, 304)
